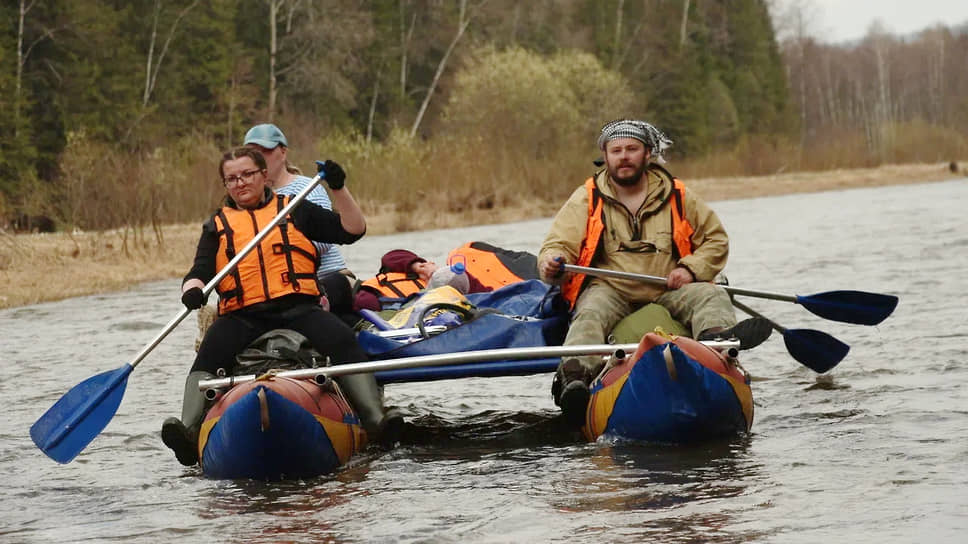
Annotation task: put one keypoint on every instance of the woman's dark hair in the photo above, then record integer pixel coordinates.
(238, 153)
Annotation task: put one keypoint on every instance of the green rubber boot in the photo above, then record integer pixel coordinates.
(383, 427)
(181, 435)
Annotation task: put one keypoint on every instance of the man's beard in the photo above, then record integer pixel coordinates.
(630, 180)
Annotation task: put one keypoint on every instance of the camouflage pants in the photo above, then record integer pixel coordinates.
(699, 306)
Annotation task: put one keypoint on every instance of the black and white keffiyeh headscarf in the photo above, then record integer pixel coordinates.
(641, 131)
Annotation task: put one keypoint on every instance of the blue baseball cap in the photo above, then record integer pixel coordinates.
(267, 136)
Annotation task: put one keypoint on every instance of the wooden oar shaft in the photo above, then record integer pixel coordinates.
(604, 273)
(227, 269)
(461, 357)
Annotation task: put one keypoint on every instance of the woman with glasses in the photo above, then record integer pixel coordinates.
(273, 287)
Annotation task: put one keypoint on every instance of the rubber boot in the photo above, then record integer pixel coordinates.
(570, 388)
(382, 426)
(181, 436)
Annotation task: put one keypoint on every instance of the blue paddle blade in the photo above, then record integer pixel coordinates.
(80, 415)
(856, 307)
(816, 350)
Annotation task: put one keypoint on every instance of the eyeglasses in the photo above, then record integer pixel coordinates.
(233, 180)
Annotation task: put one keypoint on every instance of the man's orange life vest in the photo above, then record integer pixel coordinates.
(682, 232)
(394, 285)
(283, 263)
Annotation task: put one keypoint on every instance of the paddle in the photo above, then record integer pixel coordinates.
(460, 357)
(82, 413)
(816, 350)
(856, 307)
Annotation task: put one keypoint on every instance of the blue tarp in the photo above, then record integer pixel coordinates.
(524, 314)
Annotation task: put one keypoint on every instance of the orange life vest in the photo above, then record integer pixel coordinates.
(283, 263)
(682, 232)
(484, 263)
(394, 285)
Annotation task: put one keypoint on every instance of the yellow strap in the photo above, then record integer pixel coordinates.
(269, 375)
(661, 332)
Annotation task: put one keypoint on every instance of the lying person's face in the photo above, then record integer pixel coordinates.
(424, 269)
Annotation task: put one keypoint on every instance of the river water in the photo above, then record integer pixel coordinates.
(874, 451)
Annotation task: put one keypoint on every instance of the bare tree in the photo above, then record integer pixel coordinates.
(873, 91)
(21, 59)
(794, 19)
(236, 94)
(274, 71)
(515, 22)
(274, 6)
(373, 101)
(22, 56)
(463, 21)
(935, 41)
(406, 34)
(682, 27)
(151, 77)
(632, 42)
(619, 11)
(300, 55)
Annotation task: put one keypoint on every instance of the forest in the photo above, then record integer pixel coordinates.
(115, 112)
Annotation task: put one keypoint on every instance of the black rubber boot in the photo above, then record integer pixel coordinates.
(574, 403)
(382, 427)
(181, 435)
(570, 388)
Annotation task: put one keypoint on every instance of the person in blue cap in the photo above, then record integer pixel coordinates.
(334, 277)
(286, 179)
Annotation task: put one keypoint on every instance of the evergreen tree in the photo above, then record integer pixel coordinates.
(752, 67)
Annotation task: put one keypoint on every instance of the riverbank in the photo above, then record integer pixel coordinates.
(45, 267)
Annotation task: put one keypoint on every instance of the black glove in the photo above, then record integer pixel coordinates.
(333, 174)
(194, 298)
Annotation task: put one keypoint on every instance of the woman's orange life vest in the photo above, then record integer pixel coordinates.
(682, 232)
(394, 285)
(283, 263)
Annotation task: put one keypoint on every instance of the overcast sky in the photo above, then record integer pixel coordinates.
(848, 20)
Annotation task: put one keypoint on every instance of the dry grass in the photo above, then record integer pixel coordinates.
(52, 266)
(44, 267)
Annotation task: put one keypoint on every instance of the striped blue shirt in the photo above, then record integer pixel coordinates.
(330, 258)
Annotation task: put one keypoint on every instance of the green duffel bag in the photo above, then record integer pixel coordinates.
(633, 327)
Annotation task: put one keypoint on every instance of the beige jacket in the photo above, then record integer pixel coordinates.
(640, 242)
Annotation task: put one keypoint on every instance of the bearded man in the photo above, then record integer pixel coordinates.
(634, 216)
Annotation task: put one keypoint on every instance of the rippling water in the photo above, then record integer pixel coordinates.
(874, 451)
